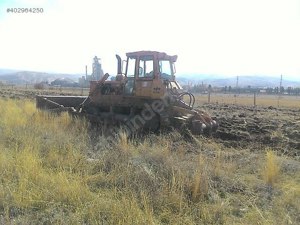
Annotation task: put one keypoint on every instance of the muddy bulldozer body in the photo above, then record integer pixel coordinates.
(146, 97)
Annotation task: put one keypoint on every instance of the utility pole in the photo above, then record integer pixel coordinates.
(279, 91)
(86, 72)
(280, 86)
(237, 84)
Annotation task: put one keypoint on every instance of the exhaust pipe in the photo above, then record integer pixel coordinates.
(119, 64)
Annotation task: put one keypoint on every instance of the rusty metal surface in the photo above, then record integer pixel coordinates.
(158, 55)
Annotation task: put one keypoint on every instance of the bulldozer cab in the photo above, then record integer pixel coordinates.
(149, 74)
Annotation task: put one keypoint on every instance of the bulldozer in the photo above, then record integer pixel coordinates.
(143, 96)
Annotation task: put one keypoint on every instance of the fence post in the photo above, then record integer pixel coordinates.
(278, 100)
(254, 99)
(208, 96)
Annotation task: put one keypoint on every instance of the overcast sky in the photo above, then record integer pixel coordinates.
(226, 37)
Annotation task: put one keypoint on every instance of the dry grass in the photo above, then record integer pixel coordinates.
(248, 99)
(271, 169)
(52, 172)
(31, 91)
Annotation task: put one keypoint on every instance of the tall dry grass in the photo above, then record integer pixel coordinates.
(54, 172)
(271, 169)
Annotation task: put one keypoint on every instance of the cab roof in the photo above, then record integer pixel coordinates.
(155, 54)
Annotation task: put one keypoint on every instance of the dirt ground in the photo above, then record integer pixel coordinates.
(258, 128)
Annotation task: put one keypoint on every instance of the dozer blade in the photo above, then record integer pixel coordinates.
(198, 122)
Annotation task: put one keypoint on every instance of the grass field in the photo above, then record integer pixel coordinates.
(55, 170)
(249, 100)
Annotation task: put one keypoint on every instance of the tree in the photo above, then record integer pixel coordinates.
(289, 90)
(209, 88)
(269, 90)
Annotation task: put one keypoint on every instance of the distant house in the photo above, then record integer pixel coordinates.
(64, 82)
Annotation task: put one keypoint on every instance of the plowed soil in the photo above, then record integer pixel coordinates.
(258, 128)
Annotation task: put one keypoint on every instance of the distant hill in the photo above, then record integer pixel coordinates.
(31, 77)
(7, 71)
(243, 81)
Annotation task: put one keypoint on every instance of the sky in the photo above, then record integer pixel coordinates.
(217, 37)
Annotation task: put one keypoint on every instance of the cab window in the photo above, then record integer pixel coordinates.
(165, 69)
(130, 67)
(145, 67)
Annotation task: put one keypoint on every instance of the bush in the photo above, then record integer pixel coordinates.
(39, 86)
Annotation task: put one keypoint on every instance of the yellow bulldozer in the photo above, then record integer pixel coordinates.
(145, 97)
